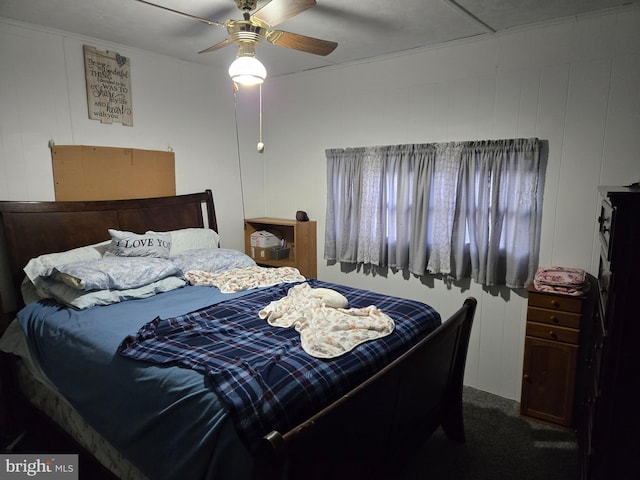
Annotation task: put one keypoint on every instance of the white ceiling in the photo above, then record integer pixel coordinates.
(363, 28)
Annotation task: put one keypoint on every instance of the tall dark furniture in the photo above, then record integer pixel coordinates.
(610, 425)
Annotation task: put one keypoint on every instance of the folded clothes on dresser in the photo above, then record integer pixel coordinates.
(563, 280)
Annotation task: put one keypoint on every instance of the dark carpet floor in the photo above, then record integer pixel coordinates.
(500, 445)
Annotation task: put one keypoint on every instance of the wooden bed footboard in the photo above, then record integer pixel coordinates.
(374, 430)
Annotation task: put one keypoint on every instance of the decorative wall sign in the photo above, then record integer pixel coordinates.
(108, 76)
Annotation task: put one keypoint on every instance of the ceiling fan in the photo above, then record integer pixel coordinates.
(256, 27)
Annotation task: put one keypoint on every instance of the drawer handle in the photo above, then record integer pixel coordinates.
(553, 335)
(553, 318)
(555, 303)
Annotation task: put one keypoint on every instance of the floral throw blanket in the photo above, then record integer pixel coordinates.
(326, 330)
(238, 279)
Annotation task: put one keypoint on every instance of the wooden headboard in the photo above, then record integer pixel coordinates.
(31, 229)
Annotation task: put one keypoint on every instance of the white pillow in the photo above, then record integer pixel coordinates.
(330, 297)
(186, 239)
(43, 265)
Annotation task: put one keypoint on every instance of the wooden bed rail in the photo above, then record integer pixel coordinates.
(357, 438)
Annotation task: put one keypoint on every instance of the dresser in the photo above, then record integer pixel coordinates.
(552, 357)
(609, 430)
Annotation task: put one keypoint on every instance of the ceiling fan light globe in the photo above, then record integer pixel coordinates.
(247, 80)
(247, 71)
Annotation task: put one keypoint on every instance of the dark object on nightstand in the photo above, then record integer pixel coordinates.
(302, 216)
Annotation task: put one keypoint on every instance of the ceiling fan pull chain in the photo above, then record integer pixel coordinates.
(260, 144)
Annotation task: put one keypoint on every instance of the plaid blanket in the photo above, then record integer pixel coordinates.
(260, 372)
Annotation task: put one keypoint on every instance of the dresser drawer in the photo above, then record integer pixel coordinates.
(553, 317)
(555, 302)
(552, 332)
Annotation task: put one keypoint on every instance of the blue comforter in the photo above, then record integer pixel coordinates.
(139, 406)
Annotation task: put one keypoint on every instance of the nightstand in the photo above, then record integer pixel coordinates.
(551, 356)
(299, 237)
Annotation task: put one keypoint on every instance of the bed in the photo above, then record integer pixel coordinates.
(167, 415)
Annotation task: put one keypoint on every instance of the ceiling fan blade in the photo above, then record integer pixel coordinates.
(277, 11)
(188, 15)
(218, 46)
(301, 42)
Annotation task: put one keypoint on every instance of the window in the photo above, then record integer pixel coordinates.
(460, 209)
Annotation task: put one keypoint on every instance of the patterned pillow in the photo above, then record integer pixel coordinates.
(115, 273)
(186, 239)
(79, 299)
(212, 260)
(129, 244)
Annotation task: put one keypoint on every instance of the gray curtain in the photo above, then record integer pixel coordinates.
(460, 209)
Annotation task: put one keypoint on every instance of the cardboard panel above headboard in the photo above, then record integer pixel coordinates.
(83, 172)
